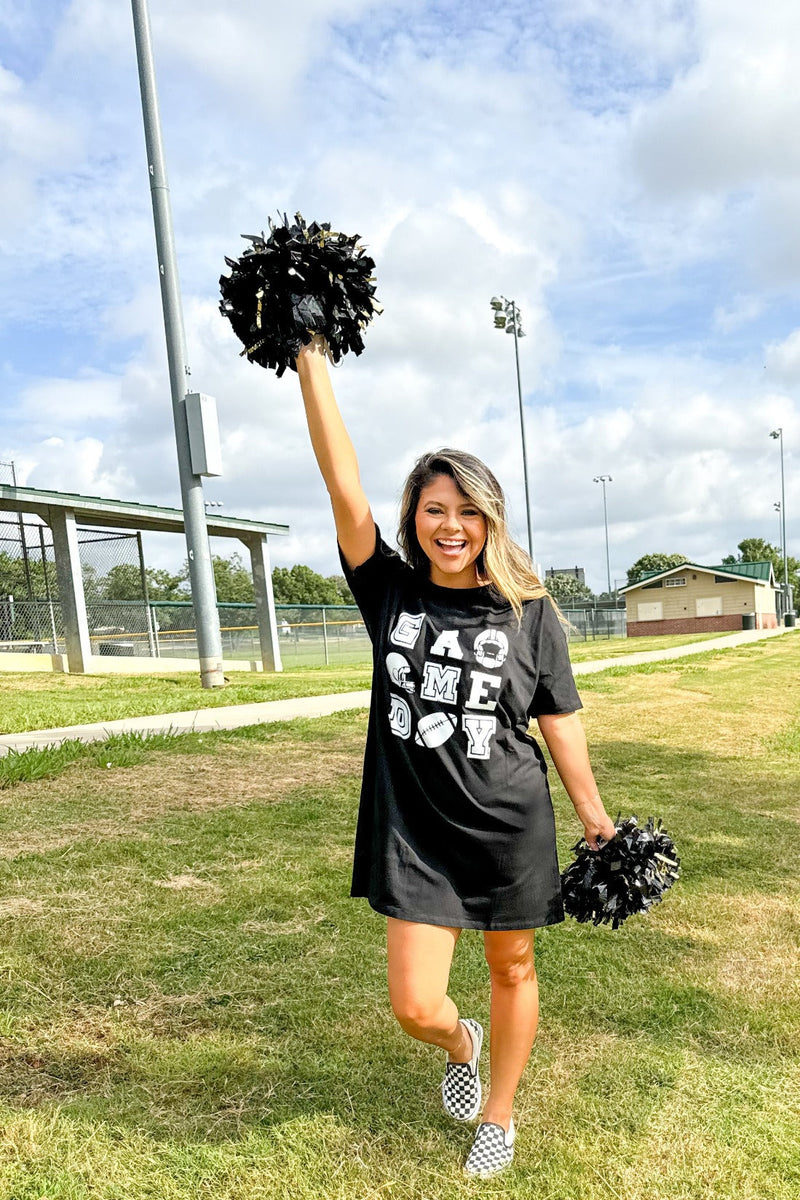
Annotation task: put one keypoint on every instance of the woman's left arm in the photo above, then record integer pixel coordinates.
(566, 741)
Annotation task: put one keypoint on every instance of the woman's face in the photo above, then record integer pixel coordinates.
(451, 532)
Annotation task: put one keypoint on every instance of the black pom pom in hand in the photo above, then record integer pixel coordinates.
(300, 281)
(627, 875)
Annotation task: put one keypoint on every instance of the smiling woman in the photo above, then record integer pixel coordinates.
(455, 827)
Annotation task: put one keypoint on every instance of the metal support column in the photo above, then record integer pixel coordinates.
(201, 574)
(70, 590)
(265, 602)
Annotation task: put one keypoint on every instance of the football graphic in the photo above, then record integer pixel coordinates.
(434, 729)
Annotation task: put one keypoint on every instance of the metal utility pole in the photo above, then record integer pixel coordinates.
(507, 316)
(778, 434)
(604, 479)
(777, 507)
(201, 573)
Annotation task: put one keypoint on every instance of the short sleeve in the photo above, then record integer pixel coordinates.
(555, 686)
(371, 581)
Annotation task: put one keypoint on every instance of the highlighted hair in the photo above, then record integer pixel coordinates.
(501, 563)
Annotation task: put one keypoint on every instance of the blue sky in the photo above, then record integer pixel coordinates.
(627, 170)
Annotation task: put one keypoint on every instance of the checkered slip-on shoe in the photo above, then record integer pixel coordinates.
(461, 1088)
(492, 1150)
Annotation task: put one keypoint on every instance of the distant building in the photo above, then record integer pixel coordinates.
(691, 598)
(573, 572)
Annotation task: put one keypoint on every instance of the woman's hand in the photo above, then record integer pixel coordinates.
(598, 829)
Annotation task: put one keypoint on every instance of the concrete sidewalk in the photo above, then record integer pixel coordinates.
(235, 716)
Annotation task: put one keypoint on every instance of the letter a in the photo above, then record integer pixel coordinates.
(447, 645)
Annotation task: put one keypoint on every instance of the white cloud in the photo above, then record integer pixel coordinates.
(593, 161)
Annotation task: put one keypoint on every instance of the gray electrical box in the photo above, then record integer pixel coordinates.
(201, 419)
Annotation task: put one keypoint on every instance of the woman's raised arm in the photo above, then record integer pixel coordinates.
(355, 527)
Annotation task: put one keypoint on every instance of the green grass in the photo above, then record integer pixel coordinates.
(580, 651)
(43, 701)
(191, 1007)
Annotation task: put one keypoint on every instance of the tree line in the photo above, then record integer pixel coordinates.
(292, 585)
(570, 591)
(301, 585)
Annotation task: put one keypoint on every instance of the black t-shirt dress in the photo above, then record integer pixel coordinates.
(455, 823)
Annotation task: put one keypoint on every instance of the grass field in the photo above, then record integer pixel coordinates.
(39, 701)
(193, 1009)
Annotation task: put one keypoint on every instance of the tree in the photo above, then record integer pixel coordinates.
(233, 580)
(653, 562)
(162, 585)
(759, 550)
(300, 585)
(567, 590)
(343, 588)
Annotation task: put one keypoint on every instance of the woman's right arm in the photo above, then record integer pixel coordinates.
(355, 527)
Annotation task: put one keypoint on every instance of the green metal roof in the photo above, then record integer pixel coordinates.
(759, 572)
(124, 514)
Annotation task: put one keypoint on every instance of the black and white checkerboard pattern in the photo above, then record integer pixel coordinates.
(492, 1150)
(461, 1089)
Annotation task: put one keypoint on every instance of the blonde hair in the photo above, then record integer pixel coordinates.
(501, 562)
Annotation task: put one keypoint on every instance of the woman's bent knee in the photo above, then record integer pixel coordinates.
(415, 1015)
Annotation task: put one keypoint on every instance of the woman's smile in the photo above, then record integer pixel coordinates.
(451, 531)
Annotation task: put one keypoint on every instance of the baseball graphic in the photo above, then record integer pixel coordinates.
(434, 729)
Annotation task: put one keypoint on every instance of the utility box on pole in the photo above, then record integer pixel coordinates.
(204, 445)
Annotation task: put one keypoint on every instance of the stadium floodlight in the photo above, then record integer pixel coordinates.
(507, 316)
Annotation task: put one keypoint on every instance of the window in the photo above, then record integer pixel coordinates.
(645, 586)
(678, 581)
(709, 606)
(723, 579)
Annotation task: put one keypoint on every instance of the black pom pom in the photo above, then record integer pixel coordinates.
(627, 875)
(301, 280)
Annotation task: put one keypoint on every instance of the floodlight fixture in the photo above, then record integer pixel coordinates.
(507, 317)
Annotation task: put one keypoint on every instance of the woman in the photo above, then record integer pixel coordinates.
(455, 827)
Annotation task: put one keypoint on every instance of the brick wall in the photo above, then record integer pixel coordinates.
(696, 625)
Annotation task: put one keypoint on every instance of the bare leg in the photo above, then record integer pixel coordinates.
(515, 1016)
(419, 972)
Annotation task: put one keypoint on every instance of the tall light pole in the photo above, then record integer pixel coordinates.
(507, 316)
(778, 509)
(201, 574)
(604, 479)
(778, 434)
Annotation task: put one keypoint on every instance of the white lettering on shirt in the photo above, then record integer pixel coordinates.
(406, 631)
(447, 645)
(440, 683)
(478, 730)
(400, 717)
(478, 694)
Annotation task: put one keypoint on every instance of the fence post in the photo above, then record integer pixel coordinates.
(325, 639)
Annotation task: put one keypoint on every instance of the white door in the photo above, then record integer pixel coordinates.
(651, 612)
(709, 606)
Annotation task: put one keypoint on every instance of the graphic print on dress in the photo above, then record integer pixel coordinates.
(400, 671)
(434, 729)
(400, 718)
(440, 683)
(406, 631)
(491, 648)
(479, 731)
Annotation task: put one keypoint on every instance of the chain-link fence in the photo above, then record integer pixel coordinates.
(588, 624)
(309, 635)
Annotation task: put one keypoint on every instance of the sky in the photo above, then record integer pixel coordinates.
(628, 171)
